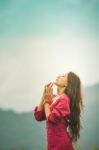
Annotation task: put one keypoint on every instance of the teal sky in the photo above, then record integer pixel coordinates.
(48, 17)
(41, 39)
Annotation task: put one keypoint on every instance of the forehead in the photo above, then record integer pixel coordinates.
(65, 74)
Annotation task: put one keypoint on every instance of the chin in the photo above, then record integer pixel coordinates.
(56, 83)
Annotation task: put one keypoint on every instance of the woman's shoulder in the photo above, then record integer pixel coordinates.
(61, 98)
(65, 98)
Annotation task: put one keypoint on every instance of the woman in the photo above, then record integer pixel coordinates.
(62, 112)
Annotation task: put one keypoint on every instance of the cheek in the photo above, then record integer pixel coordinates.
(64, 81)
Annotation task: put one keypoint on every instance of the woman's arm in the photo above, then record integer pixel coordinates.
(47, 110)
(39, 113)
(47, 99)
(59, 111)
(40, 106)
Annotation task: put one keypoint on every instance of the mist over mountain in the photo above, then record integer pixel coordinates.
(90, 131)
(22, 131)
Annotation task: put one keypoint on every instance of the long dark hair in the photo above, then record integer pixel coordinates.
(74, 91)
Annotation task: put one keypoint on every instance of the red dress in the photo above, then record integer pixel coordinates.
(57, 135)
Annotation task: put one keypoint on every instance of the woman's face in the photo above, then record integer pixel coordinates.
(61, 80)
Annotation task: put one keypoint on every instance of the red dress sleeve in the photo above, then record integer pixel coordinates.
(39, 115)
(60, 110)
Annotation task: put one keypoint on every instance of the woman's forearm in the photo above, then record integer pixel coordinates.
(40, 106)
(47, 109)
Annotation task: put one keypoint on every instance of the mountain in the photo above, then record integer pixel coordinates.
(90, 132)
(23, 132)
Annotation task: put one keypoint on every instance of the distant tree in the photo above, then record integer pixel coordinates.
(95, 147)
(77, 147)
(18, 148)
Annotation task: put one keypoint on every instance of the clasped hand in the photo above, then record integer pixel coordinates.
(47, 94)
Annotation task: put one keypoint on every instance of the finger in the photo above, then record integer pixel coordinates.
(48, 89)
(51, 85)
(47, 85)
(51, 90)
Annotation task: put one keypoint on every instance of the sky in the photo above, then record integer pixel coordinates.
(41, 39)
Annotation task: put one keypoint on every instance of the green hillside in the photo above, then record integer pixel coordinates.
(90, 132)
(19, 131)
(23, 132)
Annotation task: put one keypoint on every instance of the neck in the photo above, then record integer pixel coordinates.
(60, 90)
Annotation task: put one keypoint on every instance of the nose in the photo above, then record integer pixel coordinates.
(58, 76)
